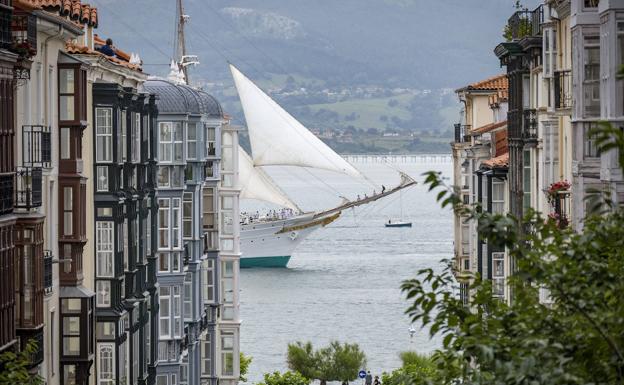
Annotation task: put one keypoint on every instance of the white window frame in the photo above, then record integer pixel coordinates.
(165, 142)
(164, 229)
(191, 143)
(178, 142)
(178, 323)
(164, 332)
(135, 150)
(187, 203)
(104, 378)
(188, 298)
(103, 298)
(124, 136)
(593, 82)
(227, 349)
(104, 133)
(498, 277)
(498, 205)
(105, 248)
(176, 223)
(206, 355)
(208, 281)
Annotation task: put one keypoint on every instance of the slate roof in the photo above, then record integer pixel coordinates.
(177, 98)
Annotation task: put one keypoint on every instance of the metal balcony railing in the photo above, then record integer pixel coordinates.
(47, 271)
(563, 89)
(461, 133)
(24, 34)
(529, 124)
(36, 146)
(6, 193)
(525, 23)
(28, 187)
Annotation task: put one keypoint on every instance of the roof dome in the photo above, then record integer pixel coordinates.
(178, 98)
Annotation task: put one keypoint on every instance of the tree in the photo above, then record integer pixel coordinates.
(15, 366)
(245, 361)
(287, 378)
(573, 335)
(336, 362)
(417, 369)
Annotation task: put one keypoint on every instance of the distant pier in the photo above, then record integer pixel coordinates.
(405, 158)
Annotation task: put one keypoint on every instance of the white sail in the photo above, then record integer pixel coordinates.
(278, 139)
(256, 184)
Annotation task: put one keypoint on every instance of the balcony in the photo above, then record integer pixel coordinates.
(563, 89)
(6, 11)
(24, 34)
(461, 133)
(6, 193)
(529, 125)
(47, 271)
(524, 23)
(28, 188)
(36, 146)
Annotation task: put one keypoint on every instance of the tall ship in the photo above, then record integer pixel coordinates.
(278, 139)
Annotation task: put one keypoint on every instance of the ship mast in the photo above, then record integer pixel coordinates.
(181, 58)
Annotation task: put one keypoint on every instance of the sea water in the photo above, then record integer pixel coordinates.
(343, 282)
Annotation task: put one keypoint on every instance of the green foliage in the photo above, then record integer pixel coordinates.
(336, 362)
(245, 361)
(574, 335)
(417, 369)
(15, 366)
(286, 378)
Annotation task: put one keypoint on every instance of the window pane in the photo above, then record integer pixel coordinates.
(66, 107)
(66, 81)
(65, 146)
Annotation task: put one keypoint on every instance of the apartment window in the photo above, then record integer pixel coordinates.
(208, 208)
(188, 297)
(178, 142)
(164, 174)
(104, 245)
(590, 5)
(163, 262)
(71, 335)
(135, 137)
(102, 178)
(106, 363)
(104, 134)
(551, 152)
(69, 374)
(227, 289)
(165, 312)
(177, 311)
(187, 215)
(176, 220)
(498, 196)
(126, 244)
(549, 51)
(148, 231)
(67, 90)
(123, 144)
(165, 149)
(191, 140)
(498, 274)
(465, 237)
(163, 224)
(68, 214)
(590, 149)
(591, 75)
(184, 371)
(105, 330)
(620, 63)
(162, 379)
(210, 141)
(209, 280)
(65, 143)
(526, 179)
(103, 293)
(206, 356)
(227, 353)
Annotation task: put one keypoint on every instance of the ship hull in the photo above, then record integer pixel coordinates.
(271, 244)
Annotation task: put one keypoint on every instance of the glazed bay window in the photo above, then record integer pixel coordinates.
(227, 289)
(227, 160)
(164, 232)
(68, 211)
(591, 76)
(549, 50)
(551, 152)
(135, 137)
(176, 218)
(206, 355)
(170, 176)
(122, 144)
(191, 140)
(165, 312)
(208, 208)
(177, 312)
(67, 93)
(498, 196)
(106, 363)
(104, 248)
(187, 215)
(71, 328)
(526, 179)
(104, 135)
(498, 274)
(188, 297)
(227, 353)
(170, 142)
(65, 140)
(169, 262)
(211, 143)
(227, 215)
(208, 280)
(590, 149)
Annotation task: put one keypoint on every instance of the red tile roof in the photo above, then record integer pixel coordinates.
(495, 83)
(77, 11)
(501, 161)
(488, 128)
(73, 48)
